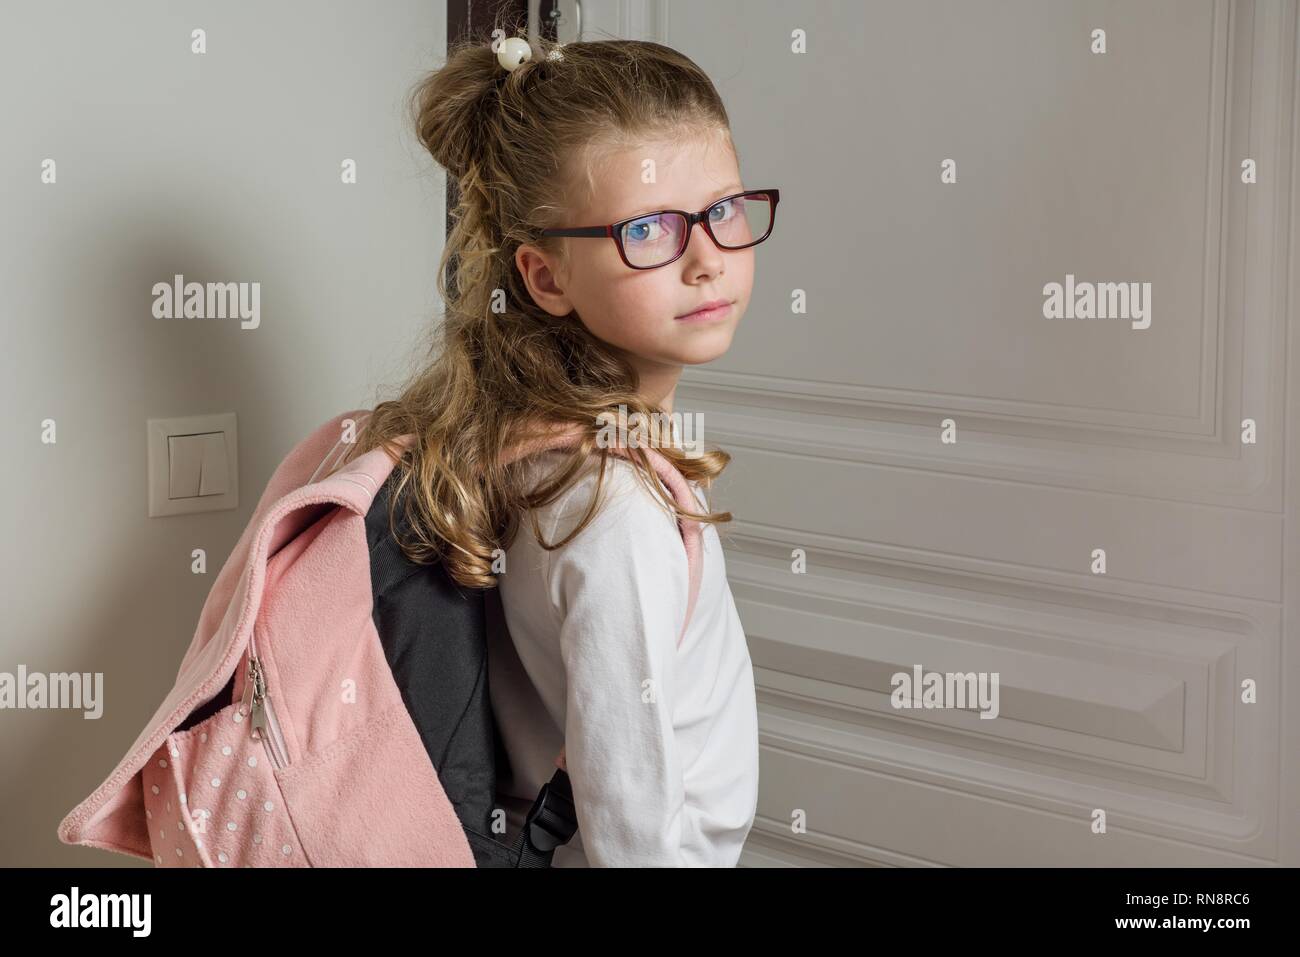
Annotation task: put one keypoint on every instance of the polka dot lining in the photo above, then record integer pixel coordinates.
(220, 758)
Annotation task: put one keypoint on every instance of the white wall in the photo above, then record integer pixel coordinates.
(222, 167)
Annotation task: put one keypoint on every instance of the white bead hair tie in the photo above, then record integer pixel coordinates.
(513, 53)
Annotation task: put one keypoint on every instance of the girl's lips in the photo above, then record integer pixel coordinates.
(706, 315)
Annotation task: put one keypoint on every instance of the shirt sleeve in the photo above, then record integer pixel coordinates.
(619, 591)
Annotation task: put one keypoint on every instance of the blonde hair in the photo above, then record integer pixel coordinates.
(520, 146)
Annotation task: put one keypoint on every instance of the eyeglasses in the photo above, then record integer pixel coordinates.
(657, 239)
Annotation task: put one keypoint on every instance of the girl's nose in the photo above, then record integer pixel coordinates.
(702, 255)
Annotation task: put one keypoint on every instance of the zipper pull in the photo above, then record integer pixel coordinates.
(259, 715)
(248, 688)
(259, 698)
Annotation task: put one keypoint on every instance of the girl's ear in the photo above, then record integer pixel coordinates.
(537, 268)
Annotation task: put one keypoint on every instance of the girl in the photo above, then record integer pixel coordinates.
(548, 320)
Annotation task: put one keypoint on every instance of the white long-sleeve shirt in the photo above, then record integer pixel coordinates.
(661, 741)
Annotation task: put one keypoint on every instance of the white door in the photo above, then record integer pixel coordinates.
(956, 467)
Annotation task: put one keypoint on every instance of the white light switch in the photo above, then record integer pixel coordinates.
(198, 465)
(193, 464)
(215, 478)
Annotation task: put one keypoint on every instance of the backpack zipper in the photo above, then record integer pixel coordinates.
(264, 721)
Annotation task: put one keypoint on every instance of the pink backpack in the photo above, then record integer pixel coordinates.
(285, 740)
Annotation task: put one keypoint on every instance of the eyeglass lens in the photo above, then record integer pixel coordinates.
(737, 222)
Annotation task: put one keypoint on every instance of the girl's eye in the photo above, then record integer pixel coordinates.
(646, 230)
(727, 210)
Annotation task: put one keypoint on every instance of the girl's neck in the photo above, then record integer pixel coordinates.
(658, 384)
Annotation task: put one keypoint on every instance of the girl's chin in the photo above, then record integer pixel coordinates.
(701, 355)
(697, 348)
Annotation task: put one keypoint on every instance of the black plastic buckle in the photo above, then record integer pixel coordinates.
(551, 820)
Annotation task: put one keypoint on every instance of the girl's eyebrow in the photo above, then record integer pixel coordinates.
(725, 191)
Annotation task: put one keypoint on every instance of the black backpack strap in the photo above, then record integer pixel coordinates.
(389, 566)
(551, 821)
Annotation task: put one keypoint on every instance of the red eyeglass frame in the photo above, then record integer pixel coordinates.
(614, 230)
